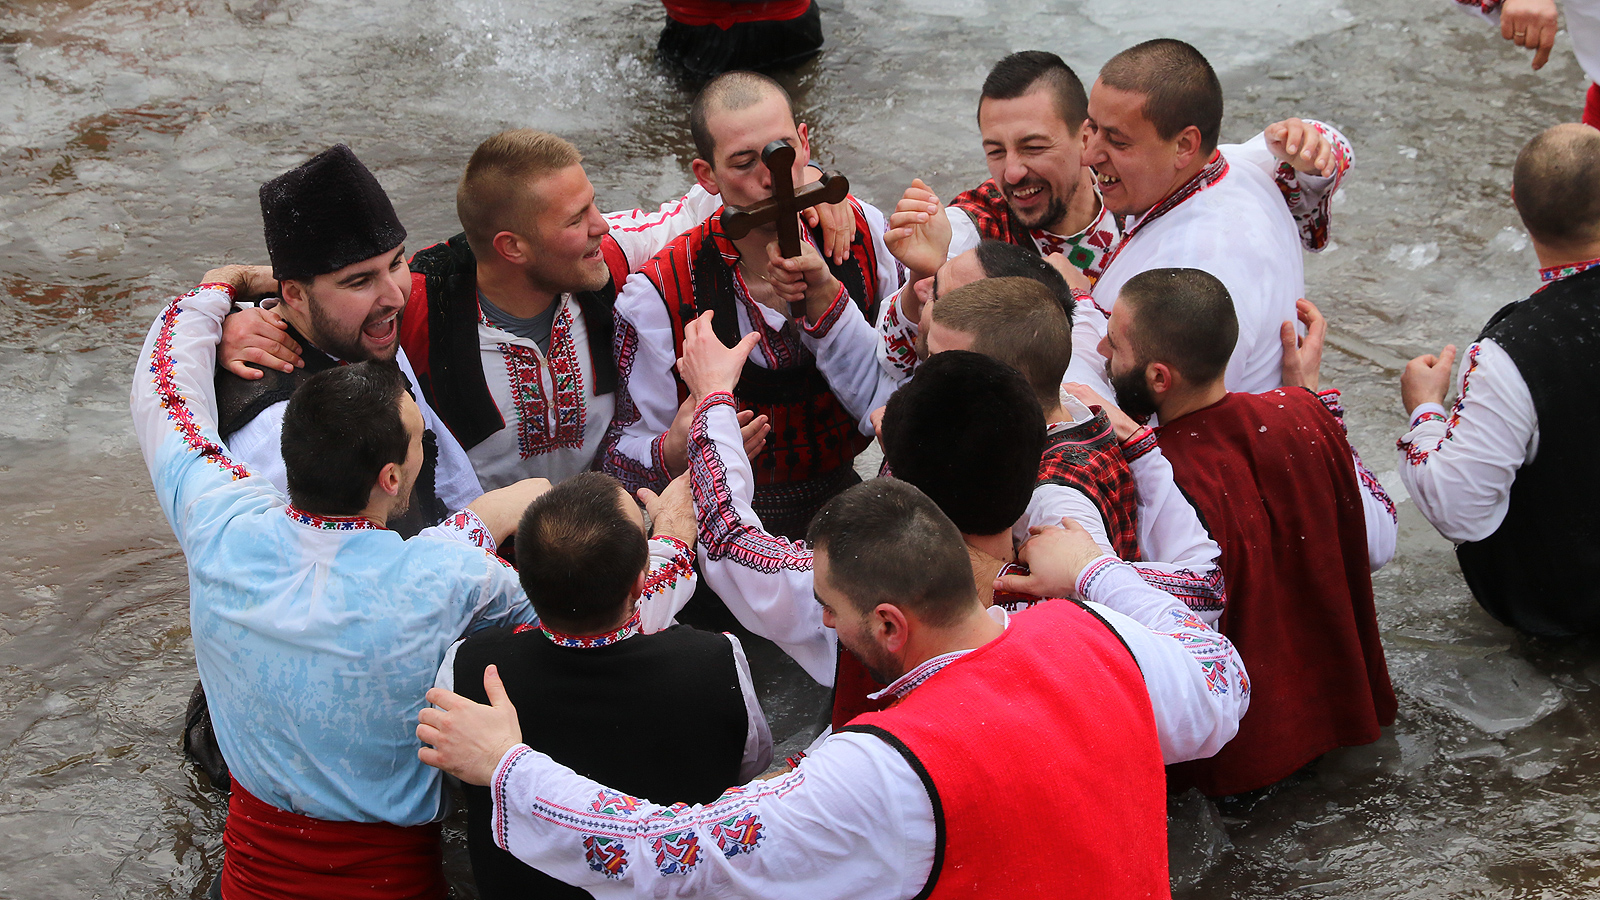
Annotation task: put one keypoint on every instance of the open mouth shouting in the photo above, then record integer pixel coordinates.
(382, 331)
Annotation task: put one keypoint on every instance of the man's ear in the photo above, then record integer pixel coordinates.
(1188, 146)
(511, 248)
(803, 152)
(637, 591)
(891, 627)
(296, 295)
(1160, 378)
(703, 175)
(390, 478)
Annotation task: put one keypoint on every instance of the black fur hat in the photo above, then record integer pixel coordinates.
(325, 215)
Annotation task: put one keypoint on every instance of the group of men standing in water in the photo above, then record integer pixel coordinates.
(542, 434)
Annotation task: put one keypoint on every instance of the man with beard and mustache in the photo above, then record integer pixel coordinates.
(1037, 135)
(1301, 523)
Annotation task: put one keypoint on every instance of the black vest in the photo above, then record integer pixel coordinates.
(1540, 570)
(240, 401)
(452, 377)
(657, 716)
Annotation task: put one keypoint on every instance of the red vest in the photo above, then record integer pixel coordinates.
(1088, 458)
(272, 854)
(1039, 752)
(812, 433)
(1274, 481)
(725, 15)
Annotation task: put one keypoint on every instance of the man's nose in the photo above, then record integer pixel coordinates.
(1015, 170)
(398, 290)
(1104, 347)
(598, 226)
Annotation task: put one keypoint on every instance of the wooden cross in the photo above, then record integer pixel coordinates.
(785, 203)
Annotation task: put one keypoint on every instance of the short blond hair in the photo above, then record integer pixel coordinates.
(493, 195)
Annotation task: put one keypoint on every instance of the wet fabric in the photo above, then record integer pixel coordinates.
(1271, 475)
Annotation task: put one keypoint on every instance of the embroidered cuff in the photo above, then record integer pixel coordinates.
(1093, 572)
(1139, 443)
(1427, 412)
(830, 318)
(1330, 399)
(669, 571)
(468, 527)
(1080, 295)
(497, 789)
(674, 545)
(714, 398)
(222, 286)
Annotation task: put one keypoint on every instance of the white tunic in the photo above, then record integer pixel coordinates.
(765, 581)
(1459, 467)
(555, 423)
(647, 353)
(1239, 229)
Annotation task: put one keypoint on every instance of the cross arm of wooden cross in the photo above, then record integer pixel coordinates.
(785, 202)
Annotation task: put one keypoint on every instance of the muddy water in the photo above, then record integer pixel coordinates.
(133, 134)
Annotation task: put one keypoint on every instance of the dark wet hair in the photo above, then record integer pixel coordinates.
(887, 542)
(1184, 318)
(342, 426)
(579, 554)
(1556, 185)
(1179, 86)
(1003, 259)
(1019, 73)
(734, 90)
(1018, 322)
(967, 430)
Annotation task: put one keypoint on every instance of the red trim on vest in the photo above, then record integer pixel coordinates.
(1591, 106)
(414, 326)
(726, 15)
(273, 854)
(1041, 787)
(1273, 478)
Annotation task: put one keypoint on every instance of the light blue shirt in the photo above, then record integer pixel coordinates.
(316, 639)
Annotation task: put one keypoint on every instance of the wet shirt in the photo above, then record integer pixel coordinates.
(316, 637)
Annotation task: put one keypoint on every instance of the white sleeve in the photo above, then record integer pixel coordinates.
(1087, 366)
(1459, 469)
(446, 679)
(897, 347)
(852, 821)
(464, 526)
(1198, 687)
(1180, 556)
(758, 735)
(764, 580)
(454, 481)
(259, 445)
(1309, 197)
(963, 232)
(643, 233)
(846, 349)
(647, 394)
(668, 585)
(1051, 503)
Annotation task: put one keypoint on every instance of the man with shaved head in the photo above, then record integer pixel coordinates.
(813, 378)
(1503, 472)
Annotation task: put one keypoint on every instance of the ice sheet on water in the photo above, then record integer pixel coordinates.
(1497, 694)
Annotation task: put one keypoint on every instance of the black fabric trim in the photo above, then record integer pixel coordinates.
(1114, 633)
(240, 401)
(933, 795)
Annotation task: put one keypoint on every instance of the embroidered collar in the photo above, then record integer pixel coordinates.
(1213, 172)
(913, 679)
(332, 523)
(587, 642)
(1556, 273)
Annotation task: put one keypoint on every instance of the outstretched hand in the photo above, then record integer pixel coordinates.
(1055, 557)
(707, 365)
(1121, 423)
(1427, 379)
(258, 336)
(919, 231)
(838, 221)
(672, 510)
(468, 739)
(1301, 145)
(1302, 357)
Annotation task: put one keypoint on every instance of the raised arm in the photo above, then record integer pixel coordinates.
(1307, 159)
(647, 396)
(642, 233)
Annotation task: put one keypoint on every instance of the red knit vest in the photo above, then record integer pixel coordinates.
(812, 433)
(1039, 753)
(1273, 479)
(1088, 458)
(725, 15)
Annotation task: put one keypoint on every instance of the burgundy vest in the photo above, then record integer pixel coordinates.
(1040, 755)
(1274, 481)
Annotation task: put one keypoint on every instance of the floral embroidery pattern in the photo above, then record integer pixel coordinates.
(668, 572)
(676, 852)
(589, 642)
(1087, 249)
(161, 366)
(472, 528)
(331, 523)
(524, 371)
(1556, 273)
(608, 856)
(1209, 648)
(1415, 455)
(899, 347)
(632, 473)
(1313, 220)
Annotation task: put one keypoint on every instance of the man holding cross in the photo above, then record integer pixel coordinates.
(813, 378)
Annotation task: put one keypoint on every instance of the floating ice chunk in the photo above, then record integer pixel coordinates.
(1497, 694)
(1408, 152)
(1509, 240)
(1414, 256)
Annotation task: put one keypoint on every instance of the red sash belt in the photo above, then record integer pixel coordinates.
(272, 854)
(726, 15)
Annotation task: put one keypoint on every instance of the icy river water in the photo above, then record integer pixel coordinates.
(133, 134)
